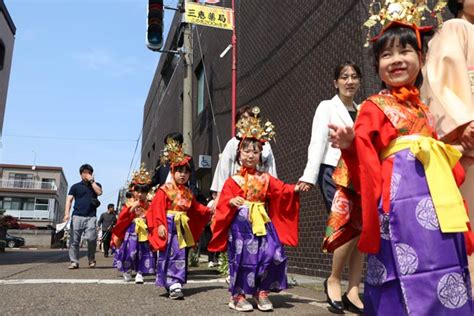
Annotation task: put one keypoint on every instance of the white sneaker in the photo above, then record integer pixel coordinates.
(211, 264)
(139, 278)
(127, 276)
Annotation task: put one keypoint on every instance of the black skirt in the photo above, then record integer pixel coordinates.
(326, 185)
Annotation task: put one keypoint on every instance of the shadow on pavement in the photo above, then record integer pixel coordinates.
(32, 256)
(192, 291)
(285, 301)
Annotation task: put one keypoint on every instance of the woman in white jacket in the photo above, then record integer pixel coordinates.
(341, 110)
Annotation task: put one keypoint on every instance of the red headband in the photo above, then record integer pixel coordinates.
(418, 30)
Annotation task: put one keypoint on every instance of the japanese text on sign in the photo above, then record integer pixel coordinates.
(209, 16)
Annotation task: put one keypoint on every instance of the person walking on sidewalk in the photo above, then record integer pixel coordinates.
(106, 221)
(84, 194)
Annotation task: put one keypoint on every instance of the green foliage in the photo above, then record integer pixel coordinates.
(224, 266)
(193, 258)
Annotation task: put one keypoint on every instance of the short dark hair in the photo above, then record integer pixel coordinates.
(175, 136)
(242, 110)
(86, 167)
(186, 167)
(128, 195)
(111, 205)
(454, 7)
(141, 188)
(406, 35)
(338, 69)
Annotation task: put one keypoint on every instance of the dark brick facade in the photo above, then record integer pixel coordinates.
(287, 50)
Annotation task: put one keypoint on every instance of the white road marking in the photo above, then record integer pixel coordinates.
(91, 281)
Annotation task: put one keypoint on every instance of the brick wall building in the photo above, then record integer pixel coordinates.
(286, 56)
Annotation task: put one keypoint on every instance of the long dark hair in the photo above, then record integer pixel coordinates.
(406, 36)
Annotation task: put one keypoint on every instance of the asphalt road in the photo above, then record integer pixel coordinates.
(38, 282)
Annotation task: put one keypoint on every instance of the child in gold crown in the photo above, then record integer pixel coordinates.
(130, 235)
(413, 216)
(255, 215)
(175, 221)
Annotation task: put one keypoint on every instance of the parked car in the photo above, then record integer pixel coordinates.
(14, 241)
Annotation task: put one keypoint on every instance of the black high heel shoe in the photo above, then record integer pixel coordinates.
(336, 306)
(349, 306)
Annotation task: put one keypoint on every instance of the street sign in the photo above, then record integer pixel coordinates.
(206, 15)
(205, 161)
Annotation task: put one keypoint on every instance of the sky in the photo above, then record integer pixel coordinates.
(79, 80)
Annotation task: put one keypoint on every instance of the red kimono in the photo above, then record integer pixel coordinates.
(171, 197)
(376, 126)
(124, 220)
(283, 205)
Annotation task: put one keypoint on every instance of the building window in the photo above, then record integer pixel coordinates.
(41, 204)
(21, 180)
(48, 184)
(22, 204)
(200, 92)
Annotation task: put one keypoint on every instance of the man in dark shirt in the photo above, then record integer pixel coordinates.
(84, 194)
(107, 220)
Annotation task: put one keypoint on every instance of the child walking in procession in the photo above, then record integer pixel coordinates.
(256, 214)
(413, 216)
(130, 235)
(176, 222)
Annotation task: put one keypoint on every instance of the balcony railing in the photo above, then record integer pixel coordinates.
(32, 214)
(27, 184)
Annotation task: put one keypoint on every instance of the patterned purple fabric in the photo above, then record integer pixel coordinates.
(134, 255)
(418, 270)
(172, 264)
(255, 263)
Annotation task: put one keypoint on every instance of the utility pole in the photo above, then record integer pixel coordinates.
(187, 89)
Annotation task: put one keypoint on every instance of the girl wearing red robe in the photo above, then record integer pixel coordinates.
(256, 214)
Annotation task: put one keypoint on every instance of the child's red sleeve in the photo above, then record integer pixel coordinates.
(199, 215)
(124, 220)
(155, 217)
(223, 216)
(373, 132)
(283, 209)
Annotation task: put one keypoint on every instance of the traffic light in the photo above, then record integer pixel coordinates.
(154, 34)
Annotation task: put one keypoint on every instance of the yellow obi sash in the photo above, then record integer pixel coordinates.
(141, 229)
(438, 159)
(258, 217)
(185, 237)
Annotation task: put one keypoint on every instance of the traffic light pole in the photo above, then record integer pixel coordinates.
(187, 90)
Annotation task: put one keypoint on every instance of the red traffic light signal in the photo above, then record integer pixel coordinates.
(154, 34)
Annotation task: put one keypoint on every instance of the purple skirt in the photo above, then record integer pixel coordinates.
(255, 263)
(419, 270)
(134, 255)
(172, 263)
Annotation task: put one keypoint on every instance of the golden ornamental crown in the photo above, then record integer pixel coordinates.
(141, 176)
(173, 153)
(251, 127)
(410, 13)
